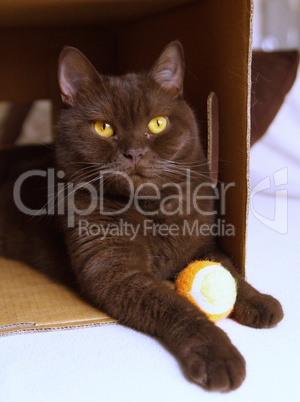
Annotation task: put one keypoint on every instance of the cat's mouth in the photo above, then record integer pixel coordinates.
(136, 171)
(138, 175)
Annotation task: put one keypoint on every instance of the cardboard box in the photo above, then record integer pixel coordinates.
(118, 36)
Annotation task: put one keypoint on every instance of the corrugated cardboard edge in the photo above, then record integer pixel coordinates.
(249, 126)
(51, 328)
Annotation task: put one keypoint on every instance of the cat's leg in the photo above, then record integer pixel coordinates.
(252, 308)
(118, 280)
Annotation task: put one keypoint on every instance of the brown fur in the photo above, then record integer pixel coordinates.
(118, 275)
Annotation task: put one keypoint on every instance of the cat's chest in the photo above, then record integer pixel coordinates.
(169, 240)
(175, 240)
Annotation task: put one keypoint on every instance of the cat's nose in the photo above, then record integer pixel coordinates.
(134, 154)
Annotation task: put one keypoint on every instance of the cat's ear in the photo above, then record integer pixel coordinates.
(75, 72)
(168, 71)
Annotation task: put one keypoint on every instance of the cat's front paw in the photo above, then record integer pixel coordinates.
(215, 366)
(258, 311)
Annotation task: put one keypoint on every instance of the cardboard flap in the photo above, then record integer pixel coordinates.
(31, 301)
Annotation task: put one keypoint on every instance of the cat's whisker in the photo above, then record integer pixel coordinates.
(78, 187)
(186, 164)
(178, 173)
(55, 197)
(89, 172)
(184, 169)
(85, 174)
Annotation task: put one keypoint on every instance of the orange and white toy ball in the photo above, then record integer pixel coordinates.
(210, 287)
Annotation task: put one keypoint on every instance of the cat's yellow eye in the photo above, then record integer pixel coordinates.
(104, 129)
(158, 124)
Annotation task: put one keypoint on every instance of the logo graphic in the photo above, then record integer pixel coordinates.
(279, 223)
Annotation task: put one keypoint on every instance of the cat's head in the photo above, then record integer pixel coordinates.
(137, 124)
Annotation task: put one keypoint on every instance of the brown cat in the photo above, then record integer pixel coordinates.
(127, 158)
